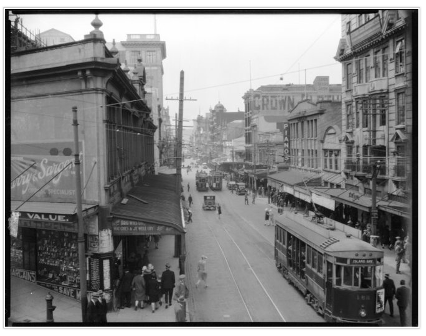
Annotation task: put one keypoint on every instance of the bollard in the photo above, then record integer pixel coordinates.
(49, 308)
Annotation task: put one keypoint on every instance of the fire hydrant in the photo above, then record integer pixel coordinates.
(49, 308)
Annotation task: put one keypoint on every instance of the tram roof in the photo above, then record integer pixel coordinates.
(325, 239)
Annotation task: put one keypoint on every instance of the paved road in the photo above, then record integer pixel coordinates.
(243, 282)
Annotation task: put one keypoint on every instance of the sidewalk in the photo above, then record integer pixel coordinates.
(28, 300)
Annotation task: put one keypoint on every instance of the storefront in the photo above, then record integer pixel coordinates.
(45, 250)
(150, 210)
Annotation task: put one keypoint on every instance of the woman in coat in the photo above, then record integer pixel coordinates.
(154, 292)
(138, 285)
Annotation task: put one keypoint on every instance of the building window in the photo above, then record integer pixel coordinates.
(336, 160)
(400, 56)
(349, 117)
(360, 20)
(302, 129)
(360, 71)
(349, 76)
(367, 68)
(385, 58)
(134, 54)
(365, 115)
(315, 128)
(358, 106)
(151, 57)
(349, 149)
(377, 64)
(303, 158)
(383, 111)
(325, 159)
(400, 108)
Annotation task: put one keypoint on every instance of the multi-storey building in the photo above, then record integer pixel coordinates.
(150, 51)
(377, 52)
(266, 113)
(116, 151)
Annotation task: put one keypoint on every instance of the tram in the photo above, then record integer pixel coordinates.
(201, 181)
(215, 180)
(340, 276)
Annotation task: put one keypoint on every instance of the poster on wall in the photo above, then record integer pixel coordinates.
(35, 164)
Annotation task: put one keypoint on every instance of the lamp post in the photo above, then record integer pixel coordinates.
(376, 168)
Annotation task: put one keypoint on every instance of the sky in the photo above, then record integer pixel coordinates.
(222, 55)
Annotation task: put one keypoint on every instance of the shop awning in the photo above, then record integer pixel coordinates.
(349, 197)
(396, 208)
(323, 201)
(292, 178)
(332, 178)
(152, 207)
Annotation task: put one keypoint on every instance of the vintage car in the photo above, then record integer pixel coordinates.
(241, 188)
(231, 185)
(209, 202)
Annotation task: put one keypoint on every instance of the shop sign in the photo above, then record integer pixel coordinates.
(128, 227)
(24, 274)
(47, 217)
(72, 292)
(286, 137)
(68, 227)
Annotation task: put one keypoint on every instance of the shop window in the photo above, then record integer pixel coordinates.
(400, 56)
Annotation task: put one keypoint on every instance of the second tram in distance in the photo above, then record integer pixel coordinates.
(340, 276)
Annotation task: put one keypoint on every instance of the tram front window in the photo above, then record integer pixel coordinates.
(360, 277)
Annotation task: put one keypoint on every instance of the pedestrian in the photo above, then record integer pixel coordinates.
(131, 261)
(202, 272)
(182, 197)
(266, 216)
(271, 217)
(253, 195)
(403, 297)
(126, 288)
(153, 292)
(219, 210)
(146, 274)
(103, 307)
(156, 240)
(168, 284)
(138, 286)
(93, 309)
(180, 310)
(399, 251)
(390, 290)
(189, 216)
(181, 289)
(407, 249)
(190, 200)
(246, 198)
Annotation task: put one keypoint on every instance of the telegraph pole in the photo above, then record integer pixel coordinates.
(81, 240)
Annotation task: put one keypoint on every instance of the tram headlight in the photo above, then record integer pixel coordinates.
(362, 312)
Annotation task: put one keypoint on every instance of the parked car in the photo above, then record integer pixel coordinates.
(231, 185)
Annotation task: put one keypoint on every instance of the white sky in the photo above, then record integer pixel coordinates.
(217, 52)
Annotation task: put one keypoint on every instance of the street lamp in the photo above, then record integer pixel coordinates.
(376, 169)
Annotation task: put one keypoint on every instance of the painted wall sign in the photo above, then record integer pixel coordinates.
(47, 217)
(49, 158)
(128, 227)
(68, 291)
(24, 274)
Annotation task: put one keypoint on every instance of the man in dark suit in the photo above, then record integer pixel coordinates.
(126, 288)
(92, 313)
(390, 289)
(167, 284)
(403, 297)
(103, 307)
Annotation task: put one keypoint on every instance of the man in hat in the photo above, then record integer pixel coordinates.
(390, 289)
(399, 251)
(92, 313)
(103, 307)
(180, 310)
(126, 288)
(403, 297)
(168, 284)
(181, 289)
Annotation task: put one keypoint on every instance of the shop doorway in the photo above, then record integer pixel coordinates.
(29, 249)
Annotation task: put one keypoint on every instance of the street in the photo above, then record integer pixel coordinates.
(243, 282)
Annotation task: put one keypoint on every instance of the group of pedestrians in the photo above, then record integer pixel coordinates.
(402, 295)
(148, 288)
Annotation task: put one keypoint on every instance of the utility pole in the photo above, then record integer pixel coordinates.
(81, 240)
(376, 169)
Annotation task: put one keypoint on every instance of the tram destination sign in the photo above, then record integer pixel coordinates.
(362, 261)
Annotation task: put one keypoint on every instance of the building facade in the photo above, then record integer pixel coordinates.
(377, 57)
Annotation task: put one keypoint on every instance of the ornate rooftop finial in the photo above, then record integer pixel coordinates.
(114, 50)
(96, 23)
